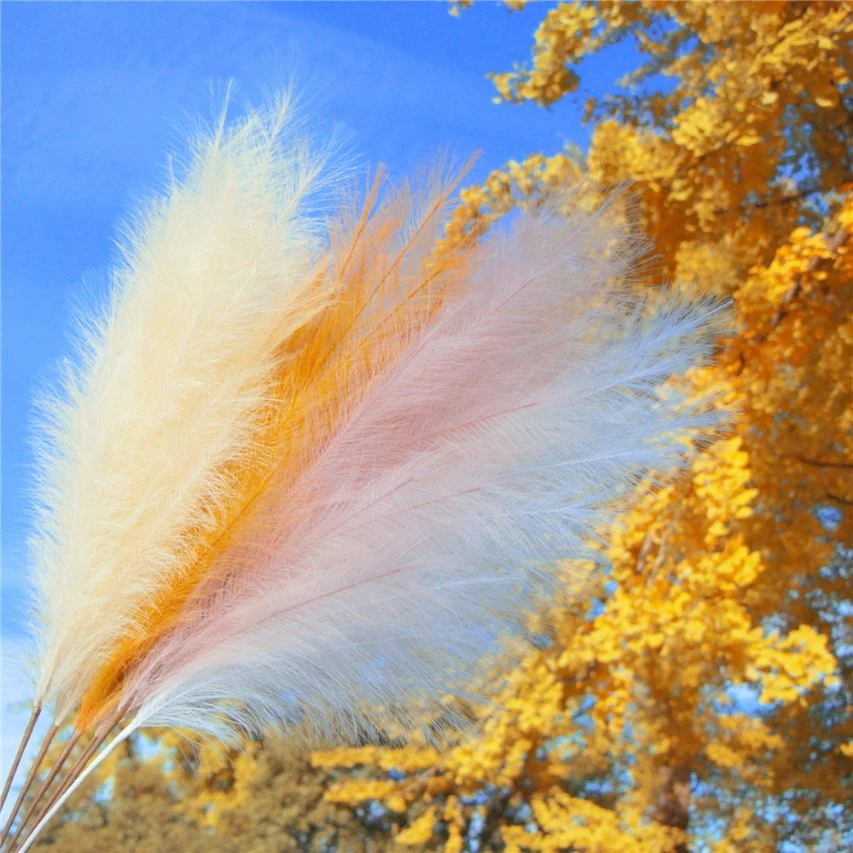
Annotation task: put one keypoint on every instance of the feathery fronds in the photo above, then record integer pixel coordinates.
(309, 476)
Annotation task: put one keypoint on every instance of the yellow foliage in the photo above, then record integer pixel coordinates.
(695, 683)
(182, 797)
(687, 688)
(420, 831)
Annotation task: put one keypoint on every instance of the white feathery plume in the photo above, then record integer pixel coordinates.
(171, 387)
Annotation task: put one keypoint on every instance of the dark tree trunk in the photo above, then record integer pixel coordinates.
(674, 801)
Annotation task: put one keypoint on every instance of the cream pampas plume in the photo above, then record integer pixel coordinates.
(171, 389)
(302, 476)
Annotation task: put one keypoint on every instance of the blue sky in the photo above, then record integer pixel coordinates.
(94, 94)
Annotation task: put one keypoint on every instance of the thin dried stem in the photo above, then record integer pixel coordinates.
(72, 742)
(34, 769)
(67, 780)
(25, 739)
(76, 776)
(73, 773)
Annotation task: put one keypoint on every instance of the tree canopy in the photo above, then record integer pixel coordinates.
(697, 695)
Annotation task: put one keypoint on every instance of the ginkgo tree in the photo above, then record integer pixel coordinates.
(694, 691)
(700, 694)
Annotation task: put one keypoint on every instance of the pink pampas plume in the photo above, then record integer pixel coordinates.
(434, 520)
